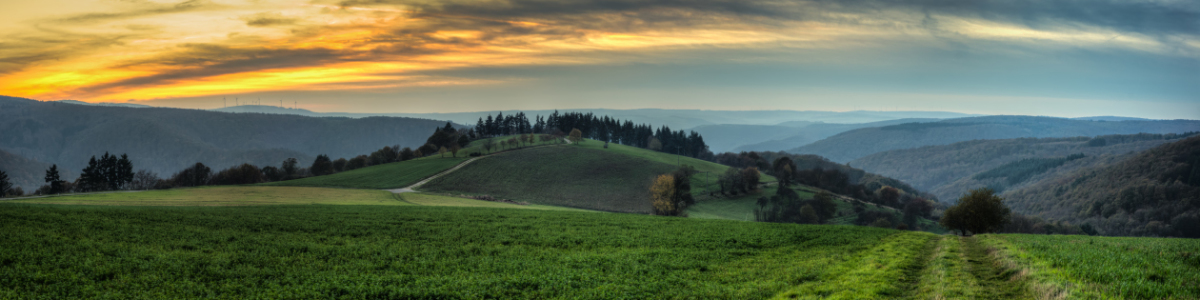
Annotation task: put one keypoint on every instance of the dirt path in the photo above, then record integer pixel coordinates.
(411, 188)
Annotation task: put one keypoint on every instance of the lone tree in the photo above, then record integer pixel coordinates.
(980, 211)
(442, 151)
(576, 135)
(662, 196)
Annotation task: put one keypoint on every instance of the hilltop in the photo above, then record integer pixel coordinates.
(854, 144)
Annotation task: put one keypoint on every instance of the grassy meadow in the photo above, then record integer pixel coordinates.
(376, 252)
(385, 176)
(196, 243)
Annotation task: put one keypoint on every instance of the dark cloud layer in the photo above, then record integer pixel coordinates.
(1145, 17)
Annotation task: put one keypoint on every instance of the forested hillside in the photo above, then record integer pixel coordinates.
(859, 143)
(1154, 193)
(165, 140)
(949, 171)
(25, 173)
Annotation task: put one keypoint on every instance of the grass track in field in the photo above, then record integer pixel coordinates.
(992, 279)
(945, 276)
(1086, 267)
(385, 176)
(888, 270)
(226, 196)
(561, 176)
(356, 252)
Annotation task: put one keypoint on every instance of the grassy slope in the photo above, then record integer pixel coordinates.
(226, 196)
(439, 200)
(700, 182)
(356, 252)
(260, 195)
(562, 175)
(385, 176)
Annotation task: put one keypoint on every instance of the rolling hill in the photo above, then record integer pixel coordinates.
(583, 175)
(949, 171)
(164, 140)
(1153, 193)
(854, 144)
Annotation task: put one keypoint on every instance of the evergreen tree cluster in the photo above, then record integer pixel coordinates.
(108, 173)
(600, 128)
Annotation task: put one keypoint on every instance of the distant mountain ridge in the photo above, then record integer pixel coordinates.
(675, 118)
(165, 140)
(806, 134)
(858, 143)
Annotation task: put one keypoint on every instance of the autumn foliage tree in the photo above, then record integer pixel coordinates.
(662, 196)
(576, 135)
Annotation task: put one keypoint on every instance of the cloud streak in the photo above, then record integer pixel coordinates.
(196, 48)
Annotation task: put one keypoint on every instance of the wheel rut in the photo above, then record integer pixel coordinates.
(993, 280)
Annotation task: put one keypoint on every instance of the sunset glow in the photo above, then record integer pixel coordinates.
(107, 51)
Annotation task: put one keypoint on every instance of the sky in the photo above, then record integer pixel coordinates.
(1070, 58)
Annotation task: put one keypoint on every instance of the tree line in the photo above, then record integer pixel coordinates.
(601, 128)
(112, 172)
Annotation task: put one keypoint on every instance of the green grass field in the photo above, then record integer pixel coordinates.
(478, 250)
(385, 176)
(560, 176)
(375, 252)
(1087, 267)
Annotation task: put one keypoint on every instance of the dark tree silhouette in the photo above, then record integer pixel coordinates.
(322, 165)
(5, 184)
(980, 211)
(54, 180)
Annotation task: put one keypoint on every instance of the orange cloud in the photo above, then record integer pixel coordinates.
(198, 48)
